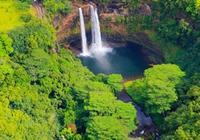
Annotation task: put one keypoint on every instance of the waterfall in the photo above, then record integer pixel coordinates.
(96, 46)
(85, 51)
(96, 32)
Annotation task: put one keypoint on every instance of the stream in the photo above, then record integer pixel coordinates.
(128, 61)
(146, 126)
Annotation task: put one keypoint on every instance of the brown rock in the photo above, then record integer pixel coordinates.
(145, 9)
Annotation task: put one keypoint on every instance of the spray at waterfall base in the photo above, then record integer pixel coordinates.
(97, 48)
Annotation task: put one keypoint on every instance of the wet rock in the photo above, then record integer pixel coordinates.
(146, 126)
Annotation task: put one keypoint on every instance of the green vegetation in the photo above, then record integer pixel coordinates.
(189, 60)
(156, 91)
(173, 103)
(32, 35)
(170, 50)
(57, 6)
(12, 13)
(171, 24)
(46, 93)
(183, 123)
(5, 45)
(109, 129)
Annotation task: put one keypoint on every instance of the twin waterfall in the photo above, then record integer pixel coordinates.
(96, 45)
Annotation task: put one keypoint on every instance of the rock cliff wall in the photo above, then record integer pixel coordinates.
(68, 31)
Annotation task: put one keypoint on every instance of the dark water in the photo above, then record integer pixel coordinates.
(126, 60)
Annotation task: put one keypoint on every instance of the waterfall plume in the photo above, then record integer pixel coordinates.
(96, 47)
(85, 51)
(96, 32)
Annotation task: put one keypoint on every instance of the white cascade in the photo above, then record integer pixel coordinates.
(96, 47)
(85, 51)
(96, 31)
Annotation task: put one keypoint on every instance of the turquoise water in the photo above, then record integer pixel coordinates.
(126, 60)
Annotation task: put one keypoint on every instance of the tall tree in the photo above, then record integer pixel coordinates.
(156, 91)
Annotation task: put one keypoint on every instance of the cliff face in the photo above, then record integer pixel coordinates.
(112, 6)
(112, 16)
(68, 25)
(112, 27)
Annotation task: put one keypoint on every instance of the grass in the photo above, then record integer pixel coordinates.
(10, 14)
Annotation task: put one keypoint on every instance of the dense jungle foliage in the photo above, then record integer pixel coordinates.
(173, 103)
(46, 93)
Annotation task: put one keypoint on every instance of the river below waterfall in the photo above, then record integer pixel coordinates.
(146, 126)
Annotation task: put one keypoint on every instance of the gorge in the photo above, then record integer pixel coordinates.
(99, 69)
(125, 59)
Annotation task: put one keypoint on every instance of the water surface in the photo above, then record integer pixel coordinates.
(126, 60)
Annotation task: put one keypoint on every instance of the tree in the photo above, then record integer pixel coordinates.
(127, 115)
(175, 31)
(188, 60)
(35, 34)
(115, 81)
(194, 8)
(105, 104)
(187, 6)
(100, 104)
(6, 72)
(156, 91)
(24, 112)
(105, 128)
(57, 6)
(183, 123)
(5, 44)
(13, 123)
